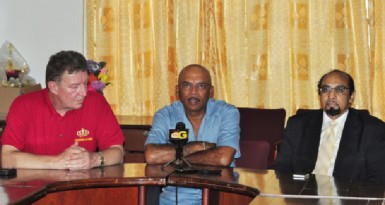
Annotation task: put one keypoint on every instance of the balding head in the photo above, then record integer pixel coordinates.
(195, 68)
(194, 89)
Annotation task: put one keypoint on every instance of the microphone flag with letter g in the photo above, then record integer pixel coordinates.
(180, 133)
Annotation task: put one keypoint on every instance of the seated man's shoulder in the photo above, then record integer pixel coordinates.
(222, 108)
(93, 95)
(32, 98)
(371, 119)
(94, 99)
(175, 106)
(370, 122)
(172, 109)
(221, 104)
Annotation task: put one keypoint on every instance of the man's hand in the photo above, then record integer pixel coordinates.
(72, 158)
(76, 157)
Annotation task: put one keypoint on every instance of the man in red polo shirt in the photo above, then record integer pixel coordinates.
(63, 125)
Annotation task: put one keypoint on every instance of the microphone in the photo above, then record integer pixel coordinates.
(179, 135)
(180, 125)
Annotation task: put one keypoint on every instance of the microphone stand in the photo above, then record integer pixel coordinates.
(179, 159)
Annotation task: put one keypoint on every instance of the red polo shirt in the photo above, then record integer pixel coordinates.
(34, 126)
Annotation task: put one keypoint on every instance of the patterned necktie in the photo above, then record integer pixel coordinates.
(326, 150)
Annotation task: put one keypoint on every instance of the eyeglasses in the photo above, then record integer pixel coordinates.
(199, 86)
(339, 89)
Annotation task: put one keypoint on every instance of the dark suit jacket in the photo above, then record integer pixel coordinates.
(361, 153)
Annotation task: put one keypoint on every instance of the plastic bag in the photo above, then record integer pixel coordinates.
(13, 67)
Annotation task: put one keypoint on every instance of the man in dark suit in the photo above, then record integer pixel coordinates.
(358, 149)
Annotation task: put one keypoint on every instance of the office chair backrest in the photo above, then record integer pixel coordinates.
(255, 154)
(263, 125)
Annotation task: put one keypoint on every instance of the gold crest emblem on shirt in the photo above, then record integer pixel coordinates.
(82, 135)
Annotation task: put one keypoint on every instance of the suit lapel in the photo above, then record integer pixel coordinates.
(312, 135)
(351, 136)
(310, 140)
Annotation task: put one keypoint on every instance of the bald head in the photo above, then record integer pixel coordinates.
(194, 89)
(195, 68)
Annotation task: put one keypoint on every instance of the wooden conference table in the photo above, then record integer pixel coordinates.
(134, 183)
(129, 184)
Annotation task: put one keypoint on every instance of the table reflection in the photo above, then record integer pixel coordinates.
(280, 188)
(130, 180)
(227, 174)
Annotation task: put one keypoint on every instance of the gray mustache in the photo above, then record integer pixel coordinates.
(193, 98)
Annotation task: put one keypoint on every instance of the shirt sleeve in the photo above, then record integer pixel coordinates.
(16, 130)
(230, 131)
(108, 129)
